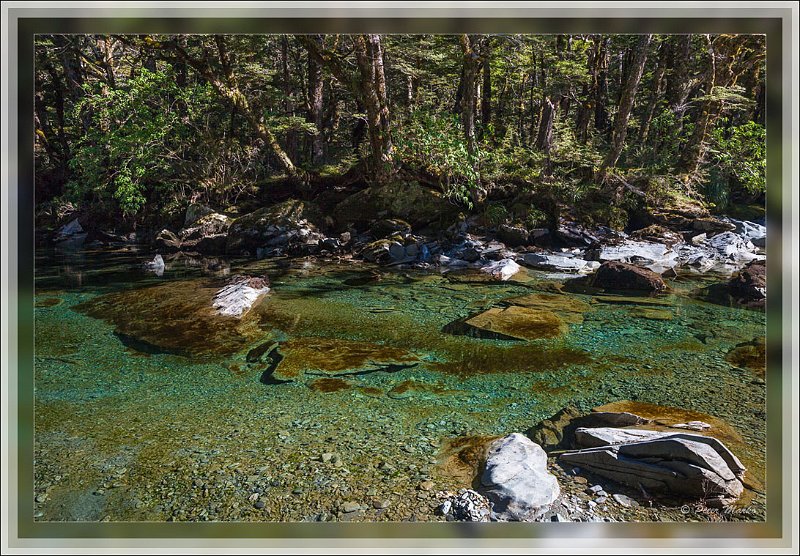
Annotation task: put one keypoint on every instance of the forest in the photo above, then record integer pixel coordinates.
(520, 129)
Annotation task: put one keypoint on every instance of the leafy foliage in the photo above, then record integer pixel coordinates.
(740, 152)
(436, 143)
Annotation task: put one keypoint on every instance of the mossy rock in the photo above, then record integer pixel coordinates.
(411, 202)
(250, 231)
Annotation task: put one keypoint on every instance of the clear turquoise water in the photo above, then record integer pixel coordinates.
(147, 411)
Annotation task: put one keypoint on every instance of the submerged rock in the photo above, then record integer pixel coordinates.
(176, 317)
(749, 355)
(511, 323)
(239, 295)
(622, 276)
(516, 479)
(332, 357)
(502, 269)
(569, 308)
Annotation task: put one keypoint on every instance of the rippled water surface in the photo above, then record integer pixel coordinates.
(343, 384)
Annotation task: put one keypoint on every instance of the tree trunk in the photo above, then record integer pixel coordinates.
(657, 91)
(315, 104)
(486, 94)
(544, 138)
(600, 84)
(369, 57)
(626, 104)
(288, 105)
(471, 64)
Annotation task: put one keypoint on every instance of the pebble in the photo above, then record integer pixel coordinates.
(426, 485)
(580, 480)
(594, 489)
(349, 507)
(626, 501)
(327, 456)
(259, 504)
(41, 497)
(601, 499)
(381, 504)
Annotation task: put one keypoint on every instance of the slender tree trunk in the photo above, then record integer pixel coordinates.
(626, 104)
(315, 104)
(471, 64)
(544, 137)
(369, 57)
(288, 104)
(486, 93)
(600, 84)
(657, 92)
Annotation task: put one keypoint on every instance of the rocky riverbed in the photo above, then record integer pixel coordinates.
(341, 393)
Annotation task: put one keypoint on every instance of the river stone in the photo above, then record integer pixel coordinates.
(609, 436)
(513, 236)
(377, 251)
(516, 479)
(749, 286)
(657, 257)
(156, 265)
(550, 261)
(695, 466)
(621, 276)
(396, 251)
(516, 323)
(274, 226)
(502, 269)
(239, 295)
(194, 212)
(167, 242)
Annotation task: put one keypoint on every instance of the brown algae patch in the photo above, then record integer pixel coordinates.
(518, 358)
(462, 459)
(331, 356)
(633, 300)
(328, 385)
(569, 308)
(176, 317)
(48, 302)
(749, 355)
(650, 313)
(515, 323)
